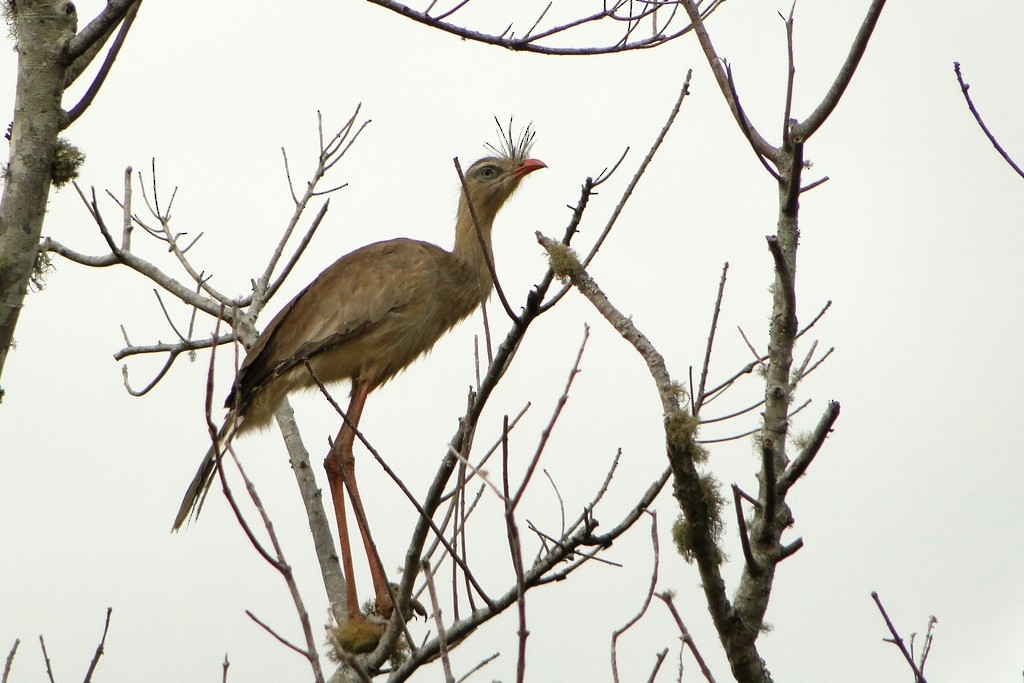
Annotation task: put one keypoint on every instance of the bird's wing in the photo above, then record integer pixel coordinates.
(352, 296)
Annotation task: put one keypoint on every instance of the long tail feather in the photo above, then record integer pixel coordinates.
(192, 503)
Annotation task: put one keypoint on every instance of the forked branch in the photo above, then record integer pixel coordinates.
(621, 18)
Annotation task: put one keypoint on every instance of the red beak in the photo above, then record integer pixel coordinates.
(528, 166)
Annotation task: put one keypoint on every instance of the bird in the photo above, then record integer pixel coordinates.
(364, 319)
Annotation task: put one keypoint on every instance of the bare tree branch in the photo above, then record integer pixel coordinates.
(757, 141)
(805, 129)
(99, 648)
(687, 638)
(108, 63)
(964, 87)
(897, 640)
(615, 14)
(46, 659)
(10, 660)
(803, 460)
(647, 598)
(99, 27)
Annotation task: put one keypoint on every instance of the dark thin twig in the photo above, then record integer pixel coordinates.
(683, 92)
(803, 460)
(761, 146)
(927, 642)
(790, 75)
(104, 71)
(481, 664)
(729, 416)
(46, 658)
(687, 638)
(747, 497)
(745, 126)
(699, 401)
(277, 636)
(99, 648)
(658, 660)
(964, 87)
(10, 660)
(531, 42)
(897, 640)
(562, 400)
(748, 555)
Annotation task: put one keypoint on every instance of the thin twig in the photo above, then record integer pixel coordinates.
(10, 660)
(435, 604)
(790, 77)
(99, 648)
(479, 665)
(46, 658)
(530, 41)
(659, 659)
(699, 401)
(655, 146)
(748, 555)
(796, 469)
(647, 598)
(666, 597)
(516, 550)
(964, 87)
(562, 400)
(897, 640)
(277, 636)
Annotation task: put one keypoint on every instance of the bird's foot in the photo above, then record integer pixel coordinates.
(385, 607)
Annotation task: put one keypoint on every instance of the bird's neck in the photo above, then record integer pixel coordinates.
(469, 235)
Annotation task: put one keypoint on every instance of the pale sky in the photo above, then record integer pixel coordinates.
(916, 240)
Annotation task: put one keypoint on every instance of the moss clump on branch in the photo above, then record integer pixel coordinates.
(355, 636)
(682, 531)
(564, 262)
(681, 430)
(67, 160)
(362, 634)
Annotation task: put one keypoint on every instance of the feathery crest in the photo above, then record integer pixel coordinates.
(508, 146)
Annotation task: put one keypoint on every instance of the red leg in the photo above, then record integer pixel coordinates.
(342, 461)
(336, 481)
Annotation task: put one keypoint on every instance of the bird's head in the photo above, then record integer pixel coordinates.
(492, 180)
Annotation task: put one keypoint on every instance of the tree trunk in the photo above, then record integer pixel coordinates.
(43, 29)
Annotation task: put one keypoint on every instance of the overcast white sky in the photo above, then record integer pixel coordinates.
(916, 240)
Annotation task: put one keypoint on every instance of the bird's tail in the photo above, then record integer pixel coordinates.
(192, 503)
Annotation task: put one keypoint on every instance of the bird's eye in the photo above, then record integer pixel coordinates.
(487, 173)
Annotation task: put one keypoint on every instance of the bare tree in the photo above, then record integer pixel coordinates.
(439, 539)
(444, 510)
